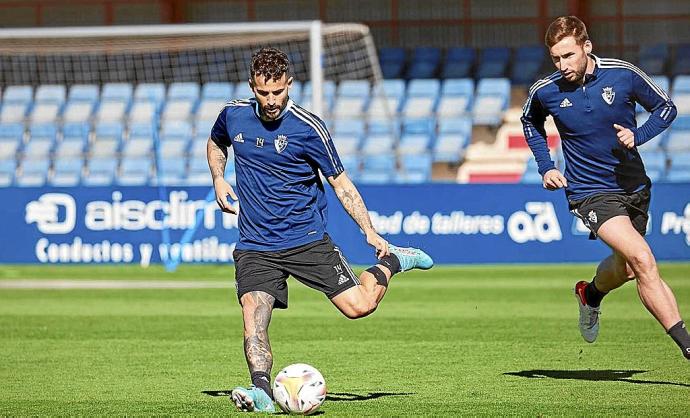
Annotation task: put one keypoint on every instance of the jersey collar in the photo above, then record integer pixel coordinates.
(258, 113)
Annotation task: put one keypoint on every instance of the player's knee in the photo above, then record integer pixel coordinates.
(641, 262)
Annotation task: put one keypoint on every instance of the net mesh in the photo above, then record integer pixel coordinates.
(70, 59)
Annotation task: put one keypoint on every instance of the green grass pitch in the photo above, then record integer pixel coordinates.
(470, 340)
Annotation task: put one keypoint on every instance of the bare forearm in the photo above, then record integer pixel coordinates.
(354, 205)
(217, 159)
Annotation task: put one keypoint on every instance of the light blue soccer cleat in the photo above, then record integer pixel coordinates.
(411, 258)
(252, 399)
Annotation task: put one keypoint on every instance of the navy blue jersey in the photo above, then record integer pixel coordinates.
(584, 114)
(277, 164)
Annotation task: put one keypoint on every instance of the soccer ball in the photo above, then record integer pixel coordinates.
(299, 389)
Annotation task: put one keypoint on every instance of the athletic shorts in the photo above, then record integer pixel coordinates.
(319, 265)
(596, 209)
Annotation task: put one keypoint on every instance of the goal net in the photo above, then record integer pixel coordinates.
(182, 53)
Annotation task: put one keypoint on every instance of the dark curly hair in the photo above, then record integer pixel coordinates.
(271, 63)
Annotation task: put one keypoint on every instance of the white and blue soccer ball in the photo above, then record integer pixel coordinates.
(299, 389)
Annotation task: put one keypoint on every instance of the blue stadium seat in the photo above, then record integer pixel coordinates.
(388, 106)
(351, 98)
(242, 91)
(81, 102)
(119, 92)
(424, 126)
(454, 136)
(346, 144)
(12, 112)
(349, 127)
(150, 92)
(493, 62)
(531, 174)
(67, 172)
(414, 144)
(329, 90)
(414, 168)
(392, 61)
(423, 63)
(100, 171)
(652, 58)
(459, 62)
(378, 169)
(171, 171)
(655, 163)
(71, 130)
(493, 96)
(135, 171)
(296, 91)
(183, 91)
(11, 139)
(378, 144)
(18, 94)
(456, 97)
(176, 129)
(422, 96)
(351, 163)
(83, 93)
(8, 168)
(527, 63)
(51, 93)
(217, 91)
(681, 62)
(107, 139)
(33, 172)
(384, 127)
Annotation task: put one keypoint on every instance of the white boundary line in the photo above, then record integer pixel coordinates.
(112, 284)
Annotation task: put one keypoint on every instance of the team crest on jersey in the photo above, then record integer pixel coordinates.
(608, 94)
(280, 143)
(592, 216)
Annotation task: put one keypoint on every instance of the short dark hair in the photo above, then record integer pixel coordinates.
(271, 63)
(563, 27)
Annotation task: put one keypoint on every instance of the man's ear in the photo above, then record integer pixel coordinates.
(588, 46)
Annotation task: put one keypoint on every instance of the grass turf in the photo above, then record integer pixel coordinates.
(475, 340)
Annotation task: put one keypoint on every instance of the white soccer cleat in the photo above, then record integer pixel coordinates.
(589, 316)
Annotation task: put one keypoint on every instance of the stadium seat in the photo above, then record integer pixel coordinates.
(527, 63)
(150, 92)
(143, 111)
(33, 172)
(11, 139)
(183, 91)
(242, 91)
(681, 61)
(107, 139)
(198, 173)
(118, 92)
(384, 127)
(351, 98)
(176, 129)
(78, 111)
(652, 58)
(378, 145)
(423, 63)
(83, 93)
(493, 62)
(493, 96)
(453, 138)
(414, 144)
(134, 171)
(100, 171)
(348, 127)
(48, 103)
(456, 97)
(678, 138)
(222, 91)
(67, 172)
(422, 95)
(424, 126)
(459, 62)
(51, 93)
(12, 112)
(18, 94)
(387, 107)
(177, 109)
(209, 109)
(414, 168)
(392, 61)
(8, 168)
(329, 90)
(351, 164)
(171, 171)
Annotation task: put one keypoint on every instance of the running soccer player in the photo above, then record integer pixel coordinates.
(279, 150)
(592, 100)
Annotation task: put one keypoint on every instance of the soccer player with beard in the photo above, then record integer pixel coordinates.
(592, 100)
(280, 148)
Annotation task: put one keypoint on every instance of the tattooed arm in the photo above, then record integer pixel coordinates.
(354, 205)
(217, 156)
(256, 310)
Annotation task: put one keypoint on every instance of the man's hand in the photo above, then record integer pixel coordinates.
(625, 136)
(223, 189)
(380, 244)
(553, 180)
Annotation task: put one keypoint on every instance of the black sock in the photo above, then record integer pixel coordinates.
(593, 295)
(391, 262)
(379, 275)
(681, 337)
(262, 380)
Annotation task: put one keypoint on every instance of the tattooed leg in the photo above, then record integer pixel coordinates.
(256, 312)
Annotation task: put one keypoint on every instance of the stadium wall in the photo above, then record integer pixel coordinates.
(453, 222)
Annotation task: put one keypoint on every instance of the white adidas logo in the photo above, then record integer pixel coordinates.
(566, 103)
(238, 138)
(342, 279)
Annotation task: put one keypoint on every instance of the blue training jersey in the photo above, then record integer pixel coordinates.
(595, 162)
(281, 195)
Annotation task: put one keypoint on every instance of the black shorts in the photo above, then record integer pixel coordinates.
(319, 265)
(596, 209)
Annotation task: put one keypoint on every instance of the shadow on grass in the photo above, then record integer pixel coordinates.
(333, 397)
(592, 375)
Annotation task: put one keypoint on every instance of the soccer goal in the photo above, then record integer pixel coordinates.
(191, 52)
